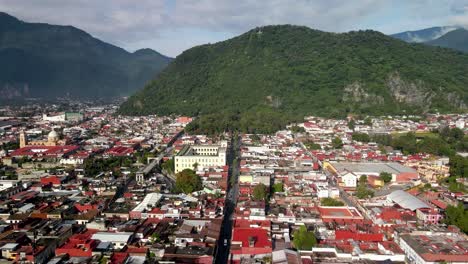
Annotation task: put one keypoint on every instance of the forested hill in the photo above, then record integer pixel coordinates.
(457, 39)
(271, 75)
(42, 60)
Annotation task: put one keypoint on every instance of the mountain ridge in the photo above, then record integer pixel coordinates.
(54, 61)
(424, 35)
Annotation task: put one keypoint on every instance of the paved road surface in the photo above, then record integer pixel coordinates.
(222, 254)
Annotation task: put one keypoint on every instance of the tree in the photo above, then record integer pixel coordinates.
(405, 143)
(458, 216)
(330, 202)
(169, 165)
(311, 145)
(260, 192)
(352, 124)
(254, 137)
(363, 192)
(278, 187)
(385, 177)
(297, 129)
(337, 143)
(303, 239)
(363, 180)
(361, 137)
(187, 181)
(368, 121)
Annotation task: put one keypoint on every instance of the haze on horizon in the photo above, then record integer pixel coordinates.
(172, 26)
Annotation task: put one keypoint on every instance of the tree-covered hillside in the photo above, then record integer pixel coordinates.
(42, 60)
(457, 39)
(269, 76)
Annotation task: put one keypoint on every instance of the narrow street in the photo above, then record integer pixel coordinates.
(222, 254)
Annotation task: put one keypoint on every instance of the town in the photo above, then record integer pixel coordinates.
(80, 183)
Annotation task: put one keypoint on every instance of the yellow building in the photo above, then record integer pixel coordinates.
(53, 139)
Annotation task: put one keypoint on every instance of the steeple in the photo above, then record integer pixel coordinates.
(23, 139)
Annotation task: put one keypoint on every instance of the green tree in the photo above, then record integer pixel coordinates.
(337, 143)
(458, 216)
(169, 165)
(260, 192)
(361, 137)
(297, 129)
(278, 187)
(368, 121)
(363, 192)
(303, 239)
(330, 202)
(311, 145)
(385, 176)
(187, 181)
(363, 180)
(352, 124)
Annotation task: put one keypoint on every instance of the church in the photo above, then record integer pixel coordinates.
(53, 139)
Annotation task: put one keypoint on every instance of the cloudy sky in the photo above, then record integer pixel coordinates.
(171, 26)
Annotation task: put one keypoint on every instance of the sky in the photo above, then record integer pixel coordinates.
(172, 26)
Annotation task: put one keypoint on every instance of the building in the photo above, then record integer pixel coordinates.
(49, 152)
(428, 215)
(140, 211)
(118, 240)
(430, 248)
(341, 214)
(249, 244)
(399, 172)
(62, 117)
(349, 180)
(53, 139)
(405, 200)
(190, 157)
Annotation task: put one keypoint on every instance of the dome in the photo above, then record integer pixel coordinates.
(53, 136)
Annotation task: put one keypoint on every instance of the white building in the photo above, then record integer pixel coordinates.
(118, 240)
(54, 118)
(201, 156)
(349, 180)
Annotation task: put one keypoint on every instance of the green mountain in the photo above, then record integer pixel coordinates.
(424, 35)
(42, 60)
(457, 39)
(269, 76)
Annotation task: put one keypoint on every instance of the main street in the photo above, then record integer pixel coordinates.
(222, 253)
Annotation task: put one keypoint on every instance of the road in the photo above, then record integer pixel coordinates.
(222, 253)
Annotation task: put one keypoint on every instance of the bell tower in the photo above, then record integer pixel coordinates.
(23, 140)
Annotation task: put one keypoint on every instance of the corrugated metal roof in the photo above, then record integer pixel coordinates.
(406, 200)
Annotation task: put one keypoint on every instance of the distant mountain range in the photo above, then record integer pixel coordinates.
(424, 35)
(448, 37)
(270, 75)
(42, 60)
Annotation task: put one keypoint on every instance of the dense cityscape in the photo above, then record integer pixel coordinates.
(92, 186)
(233, 132)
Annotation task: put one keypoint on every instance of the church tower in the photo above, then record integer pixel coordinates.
(23, 140)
